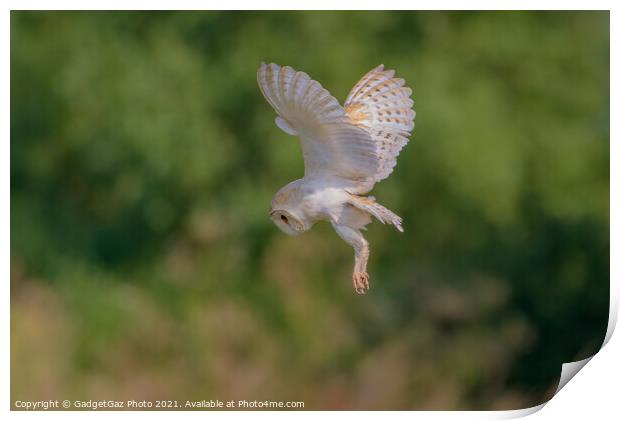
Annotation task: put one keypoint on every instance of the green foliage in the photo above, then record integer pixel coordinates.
(143, 161)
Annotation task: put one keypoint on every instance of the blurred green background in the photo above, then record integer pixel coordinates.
(144, 159)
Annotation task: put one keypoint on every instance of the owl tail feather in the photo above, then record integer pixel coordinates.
(383, 214)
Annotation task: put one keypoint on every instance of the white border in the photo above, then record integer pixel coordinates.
(593, 393)
(311, 5)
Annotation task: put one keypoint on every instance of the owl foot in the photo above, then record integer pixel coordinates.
(360, 282)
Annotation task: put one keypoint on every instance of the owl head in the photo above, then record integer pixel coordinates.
(285, 210)
(286, 221)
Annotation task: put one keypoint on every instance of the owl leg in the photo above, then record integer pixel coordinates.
(362, 251)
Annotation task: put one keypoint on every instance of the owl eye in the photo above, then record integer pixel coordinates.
(282, 217)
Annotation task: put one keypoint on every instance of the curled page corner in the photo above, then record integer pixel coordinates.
(569, 370)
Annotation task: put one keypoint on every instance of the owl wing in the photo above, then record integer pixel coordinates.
(333, 147)
(381, 105)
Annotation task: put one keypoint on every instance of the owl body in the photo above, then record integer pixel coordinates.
(312, 200)
(346, 151)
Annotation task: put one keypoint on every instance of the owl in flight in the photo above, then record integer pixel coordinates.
(346, 151)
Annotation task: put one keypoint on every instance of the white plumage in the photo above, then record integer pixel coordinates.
(346, 151)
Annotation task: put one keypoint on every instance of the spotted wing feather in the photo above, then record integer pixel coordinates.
(381, 104)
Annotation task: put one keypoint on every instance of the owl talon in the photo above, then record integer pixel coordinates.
(360, 282)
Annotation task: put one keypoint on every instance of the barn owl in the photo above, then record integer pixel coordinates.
(346, 150)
